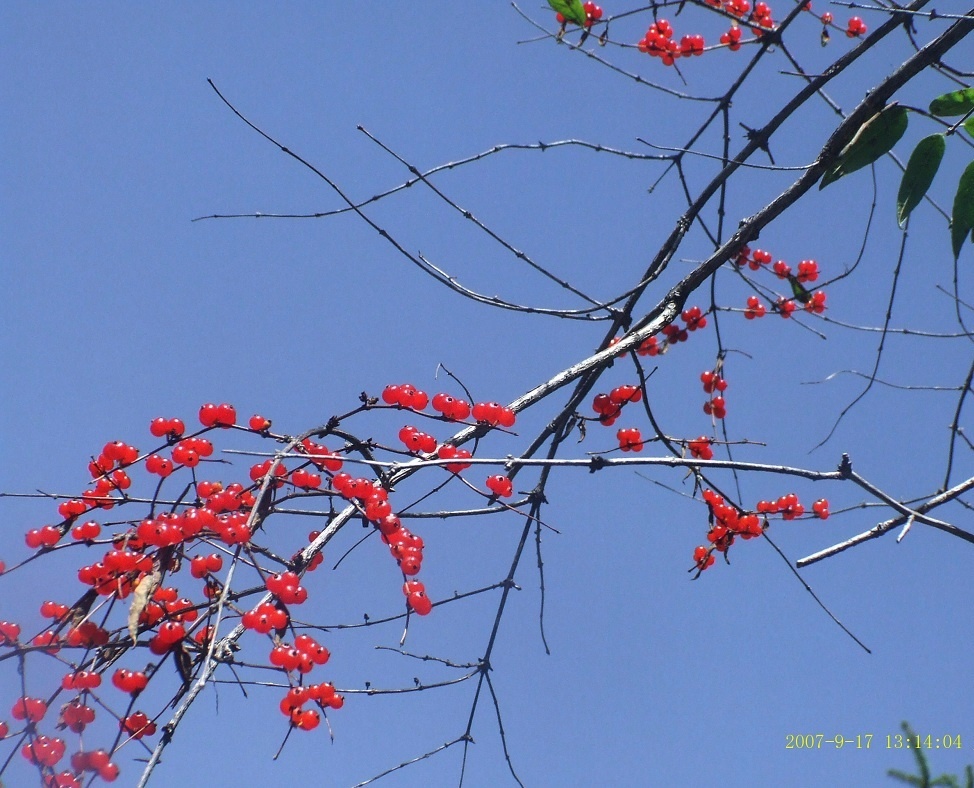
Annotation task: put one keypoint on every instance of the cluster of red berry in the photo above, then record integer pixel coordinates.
(609, 406)
(137, 724)
(738, 8)
(728, 522)
(807, 271)
(701, 448)
(658, 42)
(630, 439)
(292, 704)
(301, 657)
(500, 486)
(659, 39)
(714, 385)
(593, 13)
(447, 451)
(130, 681)
(451, 408)
(855, 27)
(694, 318)
(790, 508)
(214, 513)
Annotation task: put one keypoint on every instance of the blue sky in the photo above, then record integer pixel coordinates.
(119, 308)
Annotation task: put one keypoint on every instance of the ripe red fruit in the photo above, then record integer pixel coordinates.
(201, 565)
(416, 441)
(258, 423)
(137, 725)
(448, 451)
(494, 414)
(167, 428)
(53, 609)
(593, 13)
(807, 271)
(755, 308)
(700, 448)
(500, 486)
(160, 466)
(30, 709)
(46, 536)
(405, 396)
(306, 719)
(132, 682)
(76, 716)
(624, 394)
(286, 586)
(702, 558)
(81, 680)
(9, 632)
(452, 408)
(226, 415)
(856, 27)
(208, 414)
(305, 480)
(732, 39)
(712, 382)
(306, 644)
(786, 307)
(821, 508)
(321, 456)
(691, 45)
(816, 304)
(86, 531)
(716, 407)
(420, 603)
(630, 439)
(43, 750)
(789, 507)
(48, 641)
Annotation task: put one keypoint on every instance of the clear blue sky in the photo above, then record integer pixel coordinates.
(118, 309)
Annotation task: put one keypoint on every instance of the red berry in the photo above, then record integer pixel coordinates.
(855, 28)
(630, 439)
(702, 558)
(226, 415)
(500, 486)
(700, 448)
(208, 414)
(781, 269)
(807, 271)
(420, 603)
(30, 709)
(258, 423)
(755, 308)
(816, 304)
(786, 307)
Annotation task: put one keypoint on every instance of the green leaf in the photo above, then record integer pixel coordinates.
(969, 125)
(962, 216)
(572, 10)
(920, 171)
(876, 137)
(957, 102)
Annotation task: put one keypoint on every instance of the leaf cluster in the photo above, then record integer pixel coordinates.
(877, 136)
